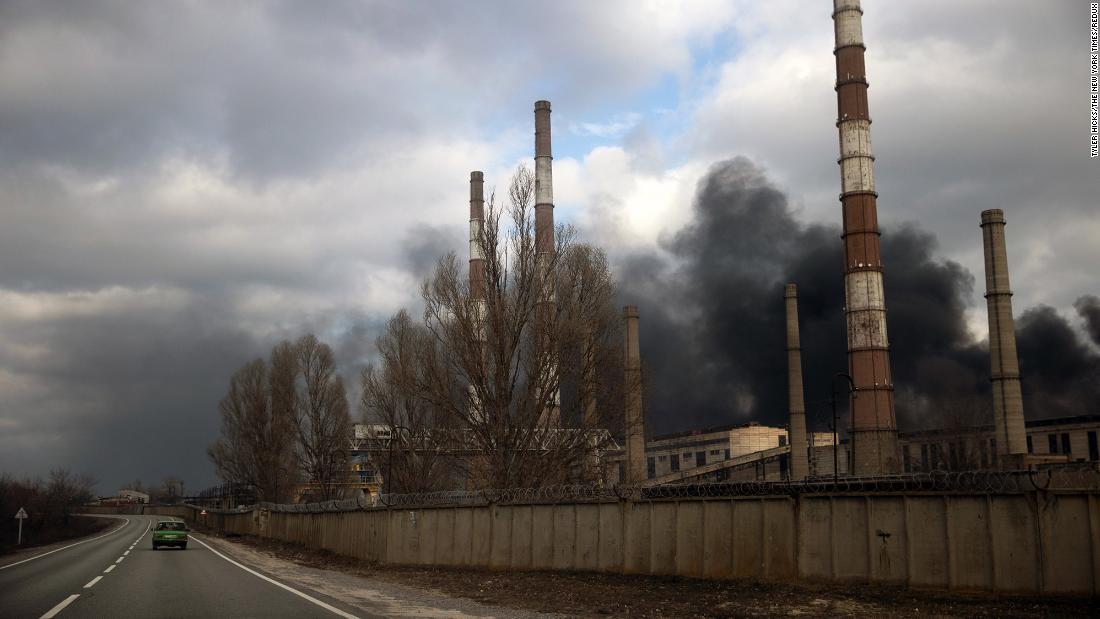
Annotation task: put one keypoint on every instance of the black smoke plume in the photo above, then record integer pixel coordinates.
(712, 326)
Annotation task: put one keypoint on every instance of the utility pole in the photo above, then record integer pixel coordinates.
(836, 443)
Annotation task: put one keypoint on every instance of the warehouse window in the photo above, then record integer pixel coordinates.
(1030, 447)
(700, 458)
(1052, 443)
(674, 464)
(650, 468)
(1065, 445)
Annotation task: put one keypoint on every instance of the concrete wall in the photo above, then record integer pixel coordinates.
(1028, 543)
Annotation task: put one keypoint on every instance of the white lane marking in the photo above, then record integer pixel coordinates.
(4, 567)
(296, 592)
(109, 568)
(93, 582)
(120, 559)
(60, 607)
(126, 553)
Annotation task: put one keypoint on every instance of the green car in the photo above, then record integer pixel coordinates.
(170, 533)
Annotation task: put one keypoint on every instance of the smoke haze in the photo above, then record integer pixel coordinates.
(713, 336)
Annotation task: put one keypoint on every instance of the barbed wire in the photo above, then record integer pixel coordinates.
(1083, 477)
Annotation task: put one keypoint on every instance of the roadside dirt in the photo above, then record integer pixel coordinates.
(602, 595)
(80, 527)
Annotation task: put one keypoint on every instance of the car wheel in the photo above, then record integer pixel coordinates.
(183, 546)
(155, 547)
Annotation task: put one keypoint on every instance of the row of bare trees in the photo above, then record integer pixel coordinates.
(171, 489)
(50, 505)
(285, 423)
(466, 389)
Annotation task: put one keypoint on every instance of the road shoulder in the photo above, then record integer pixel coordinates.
(13, 557)
(372, 596)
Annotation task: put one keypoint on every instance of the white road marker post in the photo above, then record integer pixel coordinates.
(20, 515)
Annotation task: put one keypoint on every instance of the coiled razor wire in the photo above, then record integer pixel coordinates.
(1083, 477)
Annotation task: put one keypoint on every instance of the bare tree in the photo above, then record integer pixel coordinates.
(257, 429)
(417, 460)
(498, 361)
(136, 486)
(321, 418)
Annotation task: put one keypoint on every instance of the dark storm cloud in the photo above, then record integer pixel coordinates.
(123, 391)
(713, 317)
(287, 89)
(424, 244)
(1089, 308)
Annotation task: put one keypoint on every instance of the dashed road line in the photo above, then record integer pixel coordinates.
(93, 582)
(109, 568)
(60, 607)
(296, 592)
(120, 559)
(126, 553)
(4, 567)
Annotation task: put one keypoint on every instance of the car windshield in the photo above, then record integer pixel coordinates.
(171, 526)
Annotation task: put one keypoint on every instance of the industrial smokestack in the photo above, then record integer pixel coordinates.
(477, 272)
(874, 428)
(477, 222)
(800, 466)
(1008, 404)
(632, 388)
(544, 238)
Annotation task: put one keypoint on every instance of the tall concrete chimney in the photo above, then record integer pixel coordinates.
(1004, 371)
(544, 236)
(477, 222)
(632, 388)
(477, 272)
(874, 428)
(800, 465)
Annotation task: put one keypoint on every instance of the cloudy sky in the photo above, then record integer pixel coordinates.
(183, 183)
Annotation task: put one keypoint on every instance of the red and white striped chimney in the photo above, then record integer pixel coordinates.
(874, 429)
(477, 276)
(544, 239)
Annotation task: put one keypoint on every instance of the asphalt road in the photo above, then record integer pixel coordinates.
(118, 574)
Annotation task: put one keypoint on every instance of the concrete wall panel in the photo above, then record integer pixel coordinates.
(748, 538)
(542, 537)
(780, 560)
(1015, 551)
(662, 538)
(445, 537)
(464, 536)
(565, 536)
(689, 538)
(717, 539)
(522, 518)
(428, 536)
(886, 539)
(483, 537)
(815, 539)
(926, 519)
(1066, 543)
(636, 537)
(850, 562)
(611, 537)
(588, 537)
(970, 547)
(500, 554)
